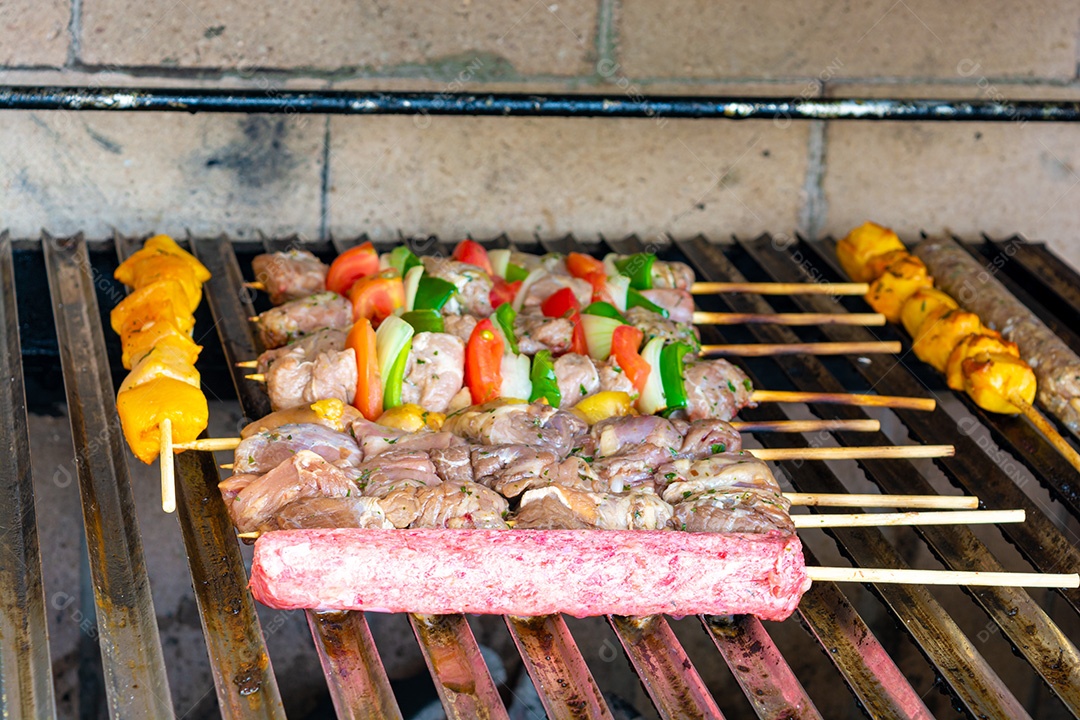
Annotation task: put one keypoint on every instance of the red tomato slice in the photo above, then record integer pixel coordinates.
(368, 399)
(584, 266)
(577, 340)
(350, 266)
(625, 342)
(483, 363)
(502, 291)
(376, 297)
(473, 253)
(559, 303)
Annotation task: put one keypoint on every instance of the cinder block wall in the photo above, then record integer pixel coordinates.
(319, 176)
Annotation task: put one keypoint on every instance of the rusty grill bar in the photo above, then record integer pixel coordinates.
(358, 684)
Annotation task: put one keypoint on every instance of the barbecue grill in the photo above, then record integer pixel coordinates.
(863, 652)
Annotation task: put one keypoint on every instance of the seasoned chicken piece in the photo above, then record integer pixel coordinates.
(376, 439)
(337, 416)
(901, 279)
(293, 380)
(266, 450)
(297, 318)
(434, 372)
(395, 470)
(678, 303)
(354, 511)
(715, 389)
(460, 326)
(655, 326)
(703, 438)
(723, 471)
(535, 332)
(577, 377)
(551, 283)
(473, 285)
(861, 245)
(512, 469)
(535, 424)
(939, 335)
(459, 505)
(612, 378)
(629, 449)
(675, 275)
(289, 275)
(745, 511)
(231, 486)
(453, 464)
(303, 475)
(540, 509)
(306, 348)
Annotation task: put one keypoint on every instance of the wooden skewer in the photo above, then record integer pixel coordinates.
(256, 285)
(226, 466)
(798, 426)
(248, 364)
(816, 348)
(872, 452)
(907, 576)
(1050, 432)
(249, 535)
(948, 517)
(889, 401)
(168, 469)
(780, 288)
(934, 502)
(726, 318)
(209, 444)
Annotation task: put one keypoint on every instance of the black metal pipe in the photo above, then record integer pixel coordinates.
(505, 104)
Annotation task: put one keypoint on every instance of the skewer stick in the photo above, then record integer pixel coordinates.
(814, 348)
(942, 577)
(209, 444)
(794, 426)
(889, 401)
(1050, 432)
(948, 517)
(933, 502)
(249, 535)
(256, 285)
(248, 364)
(726, 318)
(168, 470)
(872, 452)
(226, 466)
(780, 288)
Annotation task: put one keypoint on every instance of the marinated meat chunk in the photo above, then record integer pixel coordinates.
(678, 303)
(305, 474)
(613, 379)
(656, 326)
(453, 464)
(434, 372)
(582, 509)
(230, 487)
(297, 318)
(703, 438)
(629, 449)
(672, 275)
(715, 389)
(339, 419)
(535, 332)
(306, 348)
(460, 326)
(535, 424)
(375, 439)
(473, 285)
(746, 511)
(512, 469)
(265, 450)
(395, 470)
(293, 380)
(578, 378)
(446, 505)
(355, 511)
(551, 283)
(290, 274)
(723, 471)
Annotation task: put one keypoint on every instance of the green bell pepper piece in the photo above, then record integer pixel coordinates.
(544, 383)
(603, 309)
(636, 299)
(515, 273)
(403, 259)
(427, 320)
(671, 374)
(637, 267)
(432, 293)
(504, 318)
(396, 378)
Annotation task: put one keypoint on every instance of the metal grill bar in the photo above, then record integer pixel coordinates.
(26, 688)
(972, 679)
(354, 672)
(134, 667)
(330, 102)
(1012, 608)
(243, 676)
(1038, 539)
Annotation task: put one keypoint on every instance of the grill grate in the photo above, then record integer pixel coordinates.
(244, 678)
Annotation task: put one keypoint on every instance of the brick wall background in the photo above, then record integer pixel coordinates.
(451, 176)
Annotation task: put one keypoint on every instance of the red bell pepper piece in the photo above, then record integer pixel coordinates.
(483, 363)
(559, 303)
(376, 297)
(473, 253)
(502, 291)
(625, 342)
(590, 269)
(369, 397)
(350, 266)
